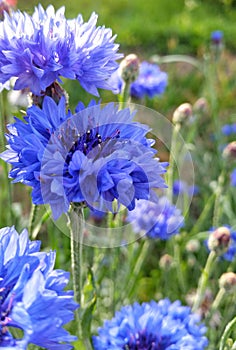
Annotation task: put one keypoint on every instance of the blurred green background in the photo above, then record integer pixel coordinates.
(156, 25)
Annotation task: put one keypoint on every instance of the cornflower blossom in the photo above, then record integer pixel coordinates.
(233, 178)
(97, 156)
(41, 48)
(151, 81)
(32, 296)
(157, 220)
(163, 325)
(229, 129)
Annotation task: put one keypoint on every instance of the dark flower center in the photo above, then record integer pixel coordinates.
(87, 141)
(144, 341)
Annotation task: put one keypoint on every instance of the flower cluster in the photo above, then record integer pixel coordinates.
(32, 296)
(41, 48)
(95, 156)
(157, 220)
(229, 129)
(163, 325)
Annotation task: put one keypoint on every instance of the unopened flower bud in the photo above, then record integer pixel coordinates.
(229, 152)
(228, 281)
(201, 106)
(129, 68)
(193, 246)
(182, 113)
(55, 91)
(219, 240)
(166, 261)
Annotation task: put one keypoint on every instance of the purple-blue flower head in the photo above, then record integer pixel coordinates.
(157, 220)
(216, 37)
(229, 129)
(32, 296)
(150, 82)
(154, 325)
(41, 48)
(98, 156)
(233, 178)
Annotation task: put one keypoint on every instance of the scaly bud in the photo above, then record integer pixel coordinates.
(219, 240)
(182, 113)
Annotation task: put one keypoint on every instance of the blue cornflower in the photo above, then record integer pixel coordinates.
(32, 296)
(41, 48)
(229, 129)
(97, 156)
(163, 325)
(151, 81)
(217, 36)
(233, 178)
(158, 220)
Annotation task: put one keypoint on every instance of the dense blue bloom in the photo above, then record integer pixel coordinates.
(41, 48)
(181, 187)
(158, 220)
(155, 326)
(229, 129)
(217, 36)
(233, 178)
(97, 156)
(230, 254)
(150, 82)
(32, 296)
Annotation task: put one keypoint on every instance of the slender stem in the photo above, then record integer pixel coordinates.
(218, 299)
(8, 188)
(177, 259)
(75, 223)
(204, 214)
(172, 162)
(137, 268)
(217, 206)
(32, 218)
(228, 329)
(177, 58)
(124, 97)
(203, 281)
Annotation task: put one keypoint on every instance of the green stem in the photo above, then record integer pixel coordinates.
(228, 329)
(204, 215)
(177, 259)
(8, 189)
(217, 206)
(75, 224)
(32, 218)
(172, 160)
(177, 58)
(124, 96)
(203, 281)
(218, 299)
(137, 268)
